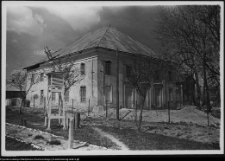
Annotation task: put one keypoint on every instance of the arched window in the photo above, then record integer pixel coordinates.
(108, 67)
(82, 69)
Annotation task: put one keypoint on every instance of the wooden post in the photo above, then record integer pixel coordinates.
(77, 120)
(89, 107)
(72, 104)
(71, 132)
(106, 109)
(168, 111)
(117, 86)
(44, 102)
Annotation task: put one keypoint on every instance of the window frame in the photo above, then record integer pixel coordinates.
(108, 67)
(126, 67)
(82, 69)
(83, 93)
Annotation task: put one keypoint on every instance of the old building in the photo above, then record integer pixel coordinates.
(95, 54)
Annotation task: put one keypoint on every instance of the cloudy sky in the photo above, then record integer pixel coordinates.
(31, 27)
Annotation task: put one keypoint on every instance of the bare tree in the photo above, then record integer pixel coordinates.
(144, 72)
(192, 35)
(19, 80)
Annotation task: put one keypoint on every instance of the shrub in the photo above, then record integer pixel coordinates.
(38, 137)
(54, 142)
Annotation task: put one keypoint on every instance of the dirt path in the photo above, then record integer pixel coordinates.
(112, 138)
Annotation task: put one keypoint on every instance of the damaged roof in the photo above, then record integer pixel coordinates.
(106, 37)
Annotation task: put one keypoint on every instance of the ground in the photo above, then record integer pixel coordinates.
(188, 131)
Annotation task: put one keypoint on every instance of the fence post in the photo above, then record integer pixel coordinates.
(106, 109)
(77, 120)
(71, 132)
(72, 104)
(89, 107)
(169, 111)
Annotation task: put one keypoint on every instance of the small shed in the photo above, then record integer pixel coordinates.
(13, 96)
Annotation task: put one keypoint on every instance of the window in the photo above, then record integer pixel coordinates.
(82, 69)
(53, 96)
(42, 77)
(108, 67)
(66, 97)
(128, 71)
(108, 94)
(82, 94)
(32, 78)
(170, 75)
(42, 96)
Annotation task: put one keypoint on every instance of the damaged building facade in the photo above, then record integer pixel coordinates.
(95, 55)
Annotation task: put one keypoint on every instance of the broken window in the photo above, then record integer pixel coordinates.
(82, 69)
(109, 94)
(66, 97)
(108, 67)
(82, 94)
(128, 71)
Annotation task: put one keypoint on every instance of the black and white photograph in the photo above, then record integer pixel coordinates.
(99, 78)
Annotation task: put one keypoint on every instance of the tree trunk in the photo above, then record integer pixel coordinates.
(207, 99)
(198, 90)
(140, 115)
(21, 106)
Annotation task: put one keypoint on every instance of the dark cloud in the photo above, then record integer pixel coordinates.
(136, 22)
(25, 47)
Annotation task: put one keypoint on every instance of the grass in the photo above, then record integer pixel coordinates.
(130, 137)
(85, 133)
(14, 145)
(147, 141)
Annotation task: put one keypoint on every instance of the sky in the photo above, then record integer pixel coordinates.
(30, 27)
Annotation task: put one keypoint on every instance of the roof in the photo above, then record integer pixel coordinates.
(110, 38)
(11, 88)
(106, 37)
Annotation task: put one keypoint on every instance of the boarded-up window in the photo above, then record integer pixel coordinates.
(66, 97)
(108, 67)
(82, 69)
(109, 94)
(82, 94)
(128, 71)
(53, 96)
